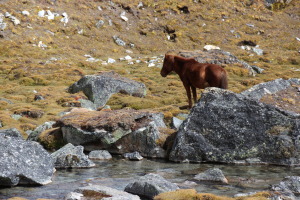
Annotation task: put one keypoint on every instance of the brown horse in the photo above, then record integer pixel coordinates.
(194, 74)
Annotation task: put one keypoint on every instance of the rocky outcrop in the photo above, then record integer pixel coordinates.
(99, 88)
(212, 175)
(232, 128)
(12, 132)
(219, 57)
(118, 131)
(150, 185)
(100, 192)
(288, 188)
(24, 162)
(71, 156)
(258, 91)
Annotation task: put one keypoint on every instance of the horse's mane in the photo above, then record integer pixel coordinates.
(183, 59)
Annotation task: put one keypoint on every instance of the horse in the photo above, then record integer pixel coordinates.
(194, 74)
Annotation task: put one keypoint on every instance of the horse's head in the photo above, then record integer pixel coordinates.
(168, 65)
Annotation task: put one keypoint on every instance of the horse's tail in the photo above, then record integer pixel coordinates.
(224, 80)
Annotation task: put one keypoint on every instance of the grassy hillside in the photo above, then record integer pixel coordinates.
(42, 56)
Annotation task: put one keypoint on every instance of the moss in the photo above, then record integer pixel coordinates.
(52, 139)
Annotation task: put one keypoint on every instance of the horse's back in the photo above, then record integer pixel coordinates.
(216, 76)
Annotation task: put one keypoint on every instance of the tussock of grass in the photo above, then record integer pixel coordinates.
(191, 194)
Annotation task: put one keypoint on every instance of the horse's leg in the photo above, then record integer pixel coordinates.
(194, 93)
(188, 93)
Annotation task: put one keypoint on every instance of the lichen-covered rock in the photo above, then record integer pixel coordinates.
(232, 128)
(150, 185)
(71, 156)
(100, 192)
(118, 131)
(271, 87)
(12, 132)
(99, 88)
(24, 162)
(288, 188)
(213, 175)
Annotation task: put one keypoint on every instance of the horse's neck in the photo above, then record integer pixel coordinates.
(179, 63)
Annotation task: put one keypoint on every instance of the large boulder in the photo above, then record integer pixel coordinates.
(100, 192)
(70, 156)
(219, 57)
(118, 131)
(11, 132)
(288, 188)
(232, 128)
(272, 87)
(24, 162)
(99, 88)
(150, 185)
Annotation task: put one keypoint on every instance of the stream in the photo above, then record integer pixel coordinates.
(117, 173)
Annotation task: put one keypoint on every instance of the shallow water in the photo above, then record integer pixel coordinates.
(117, 173)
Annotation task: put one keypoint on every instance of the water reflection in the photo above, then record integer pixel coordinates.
(117, 173)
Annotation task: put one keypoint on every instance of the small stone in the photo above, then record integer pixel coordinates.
(133, 156)
(210, 47)
(25, 13)
(16, 117)
(111, 60)
(100, 23)
(214, 175)
(50, 15)
(41, 13)
(150, 185)
(118, 41)
(128, 58)
(100, 155)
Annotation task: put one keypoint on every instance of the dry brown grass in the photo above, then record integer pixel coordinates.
(191, 194)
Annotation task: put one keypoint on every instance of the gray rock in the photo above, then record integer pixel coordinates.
(176, 122)
(12, 132)
(258, 51)
(133, 156)
(6, 100)
(71, 156)
(35, 134)
(288, 188)
(271, 87)
(100, 155)
(24, 162)
(99, 88)
(119, 41)
(100, 23)
(100, 192)
(213, 175)
(231, 128)
(118, 131)
(150, 185)
(16, 116)
(74, 196)
(87, 104)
